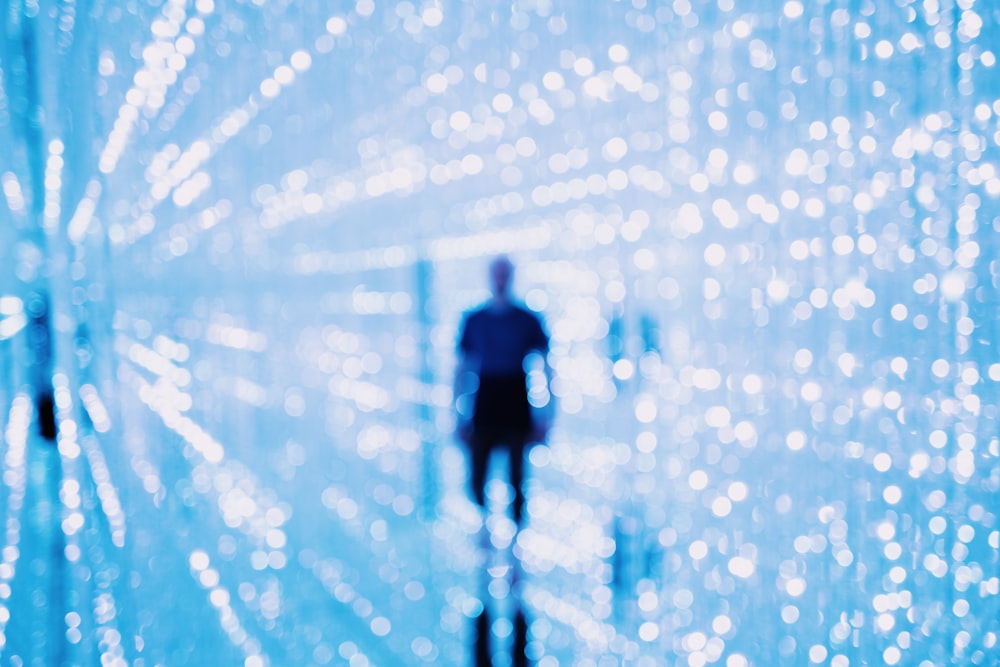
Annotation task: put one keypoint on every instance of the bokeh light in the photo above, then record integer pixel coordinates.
(762, 236)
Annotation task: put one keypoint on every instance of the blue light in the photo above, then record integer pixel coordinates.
(237, 242)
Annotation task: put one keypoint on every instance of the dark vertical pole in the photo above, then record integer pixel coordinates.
(39, 334)
(24, 46)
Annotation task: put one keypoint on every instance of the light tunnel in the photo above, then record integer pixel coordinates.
(238, 238)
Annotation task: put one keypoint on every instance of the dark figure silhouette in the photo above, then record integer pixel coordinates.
(494, 342)
(40, 342)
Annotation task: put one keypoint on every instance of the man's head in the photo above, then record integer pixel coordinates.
(501, 273)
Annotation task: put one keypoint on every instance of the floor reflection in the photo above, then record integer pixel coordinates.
(764, 238)
(501, 628)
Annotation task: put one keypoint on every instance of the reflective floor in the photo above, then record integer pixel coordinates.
(237, 241)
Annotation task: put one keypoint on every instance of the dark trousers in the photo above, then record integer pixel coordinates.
(501, 421)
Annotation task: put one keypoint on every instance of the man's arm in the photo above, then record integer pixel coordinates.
(461, 394)
(459, 385)
(543, 402)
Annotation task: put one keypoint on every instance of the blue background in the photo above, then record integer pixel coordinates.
(763, 238)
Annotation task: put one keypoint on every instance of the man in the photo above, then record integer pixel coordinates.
(494, 341)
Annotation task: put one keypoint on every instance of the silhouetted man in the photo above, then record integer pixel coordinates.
(494, 342)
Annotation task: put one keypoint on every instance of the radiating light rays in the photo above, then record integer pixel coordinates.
(311, 208)
(156, 363)
(163, 59)
(309, 262)
(761, 239)
(221, 599)
(107, 494)
(86, 536)
(241, 507)
(177, 173)
(333, 575)
(13, 316)
(238, 338)
(13, 194)
(15, 482)
(293, 202)
(53, 186)
(79, 225)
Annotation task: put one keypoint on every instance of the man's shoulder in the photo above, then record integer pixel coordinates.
(513, 311)
(527, 313)
(478, 312)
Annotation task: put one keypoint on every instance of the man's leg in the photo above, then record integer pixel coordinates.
(517, 447)
(480, 460)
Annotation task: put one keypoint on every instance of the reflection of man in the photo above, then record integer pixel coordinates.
(494, 341)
